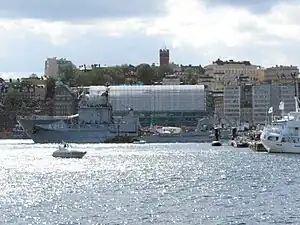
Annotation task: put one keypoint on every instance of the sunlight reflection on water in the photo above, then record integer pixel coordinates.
(147, 184)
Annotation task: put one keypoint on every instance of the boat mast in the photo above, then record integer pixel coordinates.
(296, 92)
(107, 93)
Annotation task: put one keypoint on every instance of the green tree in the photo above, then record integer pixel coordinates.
(13, 100)
(145, 74)
(66, 75)
(192, 76)
(162, 71)
(95, 76)
(50, 88)
(118, 74)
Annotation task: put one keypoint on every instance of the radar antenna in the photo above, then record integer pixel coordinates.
(107, 92)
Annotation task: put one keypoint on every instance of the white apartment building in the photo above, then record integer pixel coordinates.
(54, 65)
(229, 72)
(232, 104)
(51, 67)
(261, 97)
(238, 108)
(287, 94)
(280, 73)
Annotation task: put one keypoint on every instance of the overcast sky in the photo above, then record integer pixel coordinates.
(132, 31)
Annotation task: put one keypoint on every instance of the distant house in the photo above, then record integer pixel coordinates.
(65, 103)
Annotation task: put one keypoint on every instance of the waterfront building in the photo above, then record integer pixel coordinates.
(286, 93)
(218, 102)
(280, 73)
(232, 105)
(250, 103)
(65, 100)
(261, 103)
(230, 72)
(270, 95)
(159, 104)
(54, 67)
(246, 103)
(28, 89)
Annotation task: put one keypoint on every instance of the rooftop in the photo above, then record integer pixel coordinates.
(221, 62)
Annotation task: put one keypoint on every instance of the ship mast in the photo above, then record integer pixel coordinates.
(293, 75)
(106, 93)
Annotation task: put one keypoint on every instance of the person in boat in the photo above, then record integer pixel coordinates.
(66, 145)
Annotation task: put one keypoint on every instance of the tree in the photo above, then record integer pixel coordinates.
(118, 74)
(145, 74)
(67, 75)
(13, 100)
(162, 71)
(50, 88)
(192, 76)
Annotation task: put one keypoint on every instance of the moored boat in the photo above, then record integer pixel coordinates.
(283, 136)
(94, 123)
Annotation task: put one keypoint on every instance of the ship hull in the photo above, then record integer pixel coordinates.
(200, 137)
(42, 135)
(281, 147)
(175, 139)
(277, 146)
(51, 136)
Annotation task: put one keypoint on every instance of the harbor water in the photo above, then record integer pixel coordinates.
(147, 184)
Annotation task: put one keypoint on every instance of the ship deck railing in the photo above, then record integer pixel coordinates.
(45, 117)
(270, 129)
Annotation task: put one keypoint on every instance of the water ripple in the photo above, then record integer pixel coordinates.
(147, 184)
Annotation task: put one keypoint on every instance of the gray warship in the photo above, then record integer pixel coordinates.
(94, 123)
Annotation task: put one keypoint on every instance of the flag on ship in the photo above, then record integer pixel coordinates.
(281, 105)
(270, 110)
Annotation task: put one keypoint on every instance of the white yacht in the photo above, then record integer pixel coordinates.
(283, 136)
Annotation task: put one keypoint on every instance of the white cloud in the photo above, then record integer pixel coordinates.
(189, 27)
(193, 24)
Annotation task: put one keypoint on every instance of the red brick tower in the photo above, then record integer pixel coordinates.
(164, 57)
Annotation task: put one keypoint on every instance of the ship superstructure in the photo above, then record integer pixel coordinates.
(283, 135)
(94, 123)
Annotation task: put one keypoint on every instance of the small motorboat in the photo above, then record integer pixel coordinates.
(65, 152)
(216, 143)
(139, 142)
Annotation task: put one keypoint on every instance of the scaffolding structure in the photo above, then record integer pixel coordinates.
(156, 98)
(173, 104)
